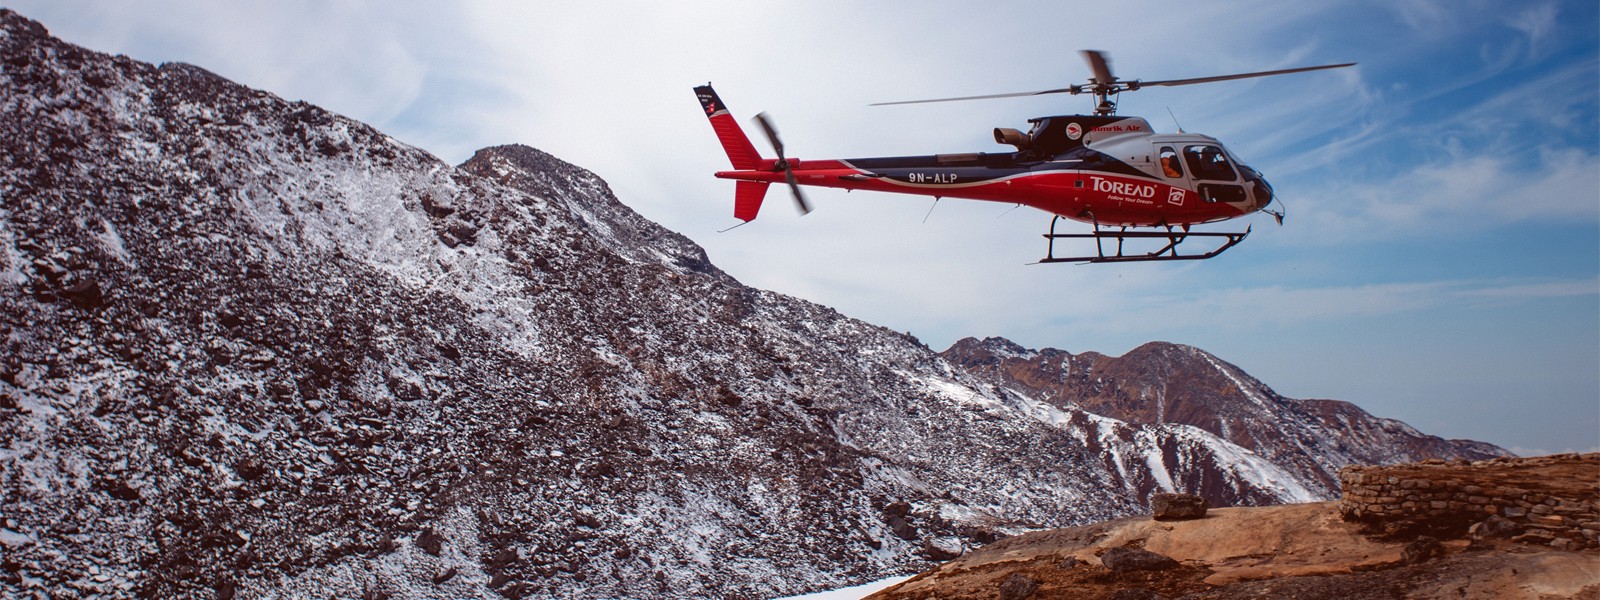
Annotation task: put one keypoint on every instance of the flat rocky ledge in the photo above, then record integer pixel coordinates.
(1323, 550)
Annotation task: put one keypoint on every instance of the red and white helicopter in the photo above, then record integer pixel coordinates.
(1102, 169)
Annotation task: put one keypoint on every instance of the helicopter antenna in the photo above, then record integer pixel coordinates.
(1008, 211)
(1175, 119)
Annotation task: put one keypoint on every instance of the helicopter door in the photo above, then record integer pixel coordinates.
(1214, 172)
(1169, 166)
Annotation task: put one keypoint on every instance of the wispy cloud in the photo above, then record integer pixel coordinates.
(1458, 194)
(1251, 308)
(1532, 290)
(1536, 22)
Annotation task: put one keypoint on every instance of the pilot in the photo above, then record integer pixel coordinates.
(1169, 165)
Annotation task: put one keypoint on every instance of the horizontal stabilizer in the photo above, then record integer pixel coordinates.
(747, 199)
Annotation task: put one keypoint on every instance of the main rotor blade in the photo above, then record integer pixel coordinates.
(1070, 90)
(1099, 65)
(1241, 75)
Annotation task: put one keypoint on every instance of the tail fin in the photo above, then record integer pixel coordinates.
(740, 151)
(747, 195)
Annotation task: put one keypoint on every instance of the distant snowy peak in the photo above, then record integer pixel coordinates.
(1168, 457)
(1160, 382)
(1379, 433)
(989, 352)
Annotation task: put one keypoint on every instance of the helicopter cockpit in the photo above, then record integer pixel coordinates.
(1217, 178)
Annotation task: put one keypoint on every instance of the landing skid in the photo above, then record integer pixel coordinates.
(1167, 252)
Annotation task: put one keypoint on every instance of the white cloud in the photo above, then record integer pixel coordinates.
(1539, 289)
(367, 61)
(1536, 22)
(1434, 18)
(1457, 193)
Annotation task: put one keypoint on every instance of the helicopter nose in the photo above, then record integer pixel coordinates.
(1261, 191)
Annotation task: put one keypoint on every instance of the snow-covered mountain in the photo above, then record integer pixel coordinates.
(1161, 384)
(252, 348)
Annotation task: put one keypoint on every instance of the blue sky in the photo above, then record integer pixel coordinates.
(1440, 263)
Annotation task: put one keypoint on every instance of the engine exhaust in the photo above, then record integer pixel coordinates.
(1007, 135)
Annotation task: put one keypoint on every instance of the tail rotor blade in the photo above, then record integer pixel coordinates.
(772, 133)
(783, 162)
(799, 198)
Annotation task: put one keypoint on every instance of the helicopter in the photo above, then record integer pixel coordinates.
(1113, 172)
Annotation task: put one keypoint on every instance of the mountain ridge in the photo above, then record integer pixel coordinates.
(1161, 382)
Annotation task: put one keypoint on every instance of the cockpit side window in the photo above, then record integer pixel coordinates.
(1169, 163)
(1209, 163)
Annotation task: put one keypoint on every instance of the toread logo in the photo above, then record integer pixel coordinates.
(1074, 131)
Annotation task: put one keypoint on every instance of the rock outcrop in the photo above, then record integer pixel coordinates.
(1167, 506)
(1552, 500)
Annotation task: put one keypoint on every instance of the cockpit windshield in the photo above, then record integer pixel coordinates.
(1209, 163)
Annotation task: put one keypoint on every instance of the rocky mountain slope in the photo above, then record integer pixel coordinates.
(1169, 383)
(250, 348)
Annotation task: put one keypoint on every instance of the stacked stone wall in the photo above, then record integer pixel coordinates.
(1553, 500)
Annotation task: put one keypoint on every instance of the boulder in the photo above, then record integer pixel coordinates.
(1496, 527)
(1420, 550)
(121, 490)
(503, 559)
(430, 541)
(898, 508)
(1018, 587)
(1175, 507)
(902, 529)
(85, 294)
(446, 576)
(942, 548)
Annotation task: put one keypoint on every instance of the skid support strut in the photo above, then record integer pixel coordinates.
(1167, 252)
